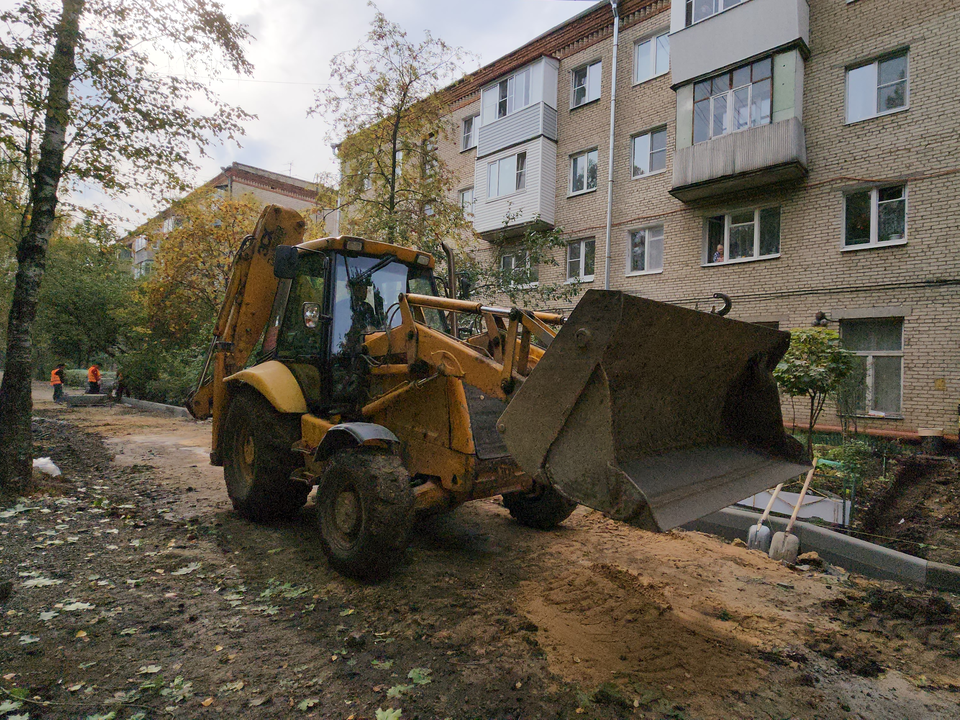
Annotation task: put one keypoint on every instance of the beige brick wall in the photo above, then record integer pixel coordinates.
(919, 146)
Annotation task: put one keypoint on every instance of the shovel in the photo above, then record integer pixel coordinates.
(785, 545)
(759, 537)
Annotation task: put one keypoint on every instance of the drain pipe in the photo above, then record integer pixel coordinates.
(613, 103)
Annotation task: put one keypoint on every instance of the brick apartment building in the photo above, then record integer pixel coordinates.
(800, 156)
(235, 181)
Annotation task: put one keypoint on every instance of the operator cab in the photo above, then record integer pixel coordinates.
(332, 294)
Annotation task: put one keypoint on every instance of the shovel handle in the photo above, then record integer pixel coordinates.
(796, 509)
(766, 512)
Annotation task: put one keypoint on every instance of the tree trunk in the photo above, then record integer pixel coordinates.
(16, 404)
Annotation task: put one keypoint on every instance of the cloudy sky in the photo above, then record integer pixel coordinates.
(295, 40)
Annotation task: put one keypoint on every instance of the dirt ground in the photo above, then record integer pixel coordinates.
(136, 591)
(919, 513)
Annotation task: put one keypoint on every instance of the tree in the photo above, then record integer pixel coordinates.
(84, 298)
(387, 112)
(514, 270)
(192, 265)
(81, 103)
(814, 367)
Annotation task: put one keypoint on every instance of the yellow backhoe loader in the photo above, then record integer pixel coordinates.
(335, 363)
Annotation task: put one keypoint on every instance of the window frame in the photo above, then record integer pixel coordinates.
(653, 41)
(730, 95)
(688, 11)
(870, 373)
(633, 152)
(514, 253)
(507, 94)
(630, 272)
(728, 223)
(580, 276)
(874, 242)
(586, 172)
(473, 200)
(900, 52)
(519, 173)
(474, 132)
(587, 99)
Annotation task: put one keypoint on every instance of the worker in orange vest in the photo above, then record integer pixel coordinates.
(93, 377)
(56, 379)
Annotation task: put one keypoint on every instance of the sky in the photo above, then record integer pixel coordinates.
(294, 41)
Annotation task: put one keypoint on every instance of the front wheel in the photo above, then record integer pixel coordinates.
(365, 510)
(543, 509)
(258, 461)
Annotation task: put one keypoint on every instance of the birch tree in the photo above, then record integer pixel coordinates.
(387, 115)
(83, 102)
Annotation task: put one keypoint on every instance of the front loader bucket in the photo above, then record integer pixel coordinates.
(652, 413)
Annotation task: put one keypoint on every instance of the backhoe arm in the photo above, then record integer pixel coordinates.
(245, 310)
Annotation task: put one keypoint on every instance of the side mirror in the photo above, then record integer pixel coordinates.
(285, 260)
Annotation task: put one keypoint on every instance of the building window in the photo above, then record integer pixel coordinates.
(733, 101)
(877, 88)
(428, 210)
(139, 244)
(585, 84)
(698, 10)
(878, 379)
(430, 161)
(507, 175)
(517, 269)
(168, 224)
(513, 93)
(742, 235)
(399, 162)
(876, 216)
(466, 201)
(470, 131)
(651, 58)
(646, 250)
(583, 172)
(649, 152)
(580, 259)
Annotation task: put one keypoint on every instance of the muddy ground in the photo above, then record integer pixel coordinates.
(136, 591)
(919, 513)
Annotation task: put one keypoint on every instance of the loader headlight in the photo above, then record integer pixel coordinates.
(311, 315)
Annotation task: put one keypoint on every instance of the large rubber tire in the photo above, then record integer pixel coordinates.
(365, 510)
(258, 461)
(543, 509)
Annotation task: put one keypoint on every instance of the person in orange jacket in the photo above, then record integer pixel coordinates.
(93, 377)
(56, 379)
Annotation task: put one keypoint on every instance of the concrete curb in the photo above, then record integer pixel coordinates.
(87, 400)
(157, 407)
(849, 553)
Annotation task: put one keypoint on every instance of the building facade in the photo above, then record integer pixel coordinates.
(236, 181)
(801, 157)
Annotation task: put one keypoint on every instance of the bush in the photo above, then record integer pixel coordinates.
(160, 375)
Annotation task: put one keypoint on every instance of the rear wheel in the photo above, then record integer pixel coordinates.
(543, 509)
(258, 461)
(365, 510)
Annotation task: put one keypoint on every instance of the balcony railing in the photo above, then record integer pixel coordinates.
(742, 160)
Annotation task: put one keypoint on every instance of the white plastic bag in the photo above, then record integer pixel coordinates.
(45, 465)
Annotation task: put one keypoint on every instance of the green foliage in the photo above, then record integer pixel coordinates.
(815, 364)
(814, 367)
(386, 112)
(514, 271)
(84, 300)
(858, 459)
